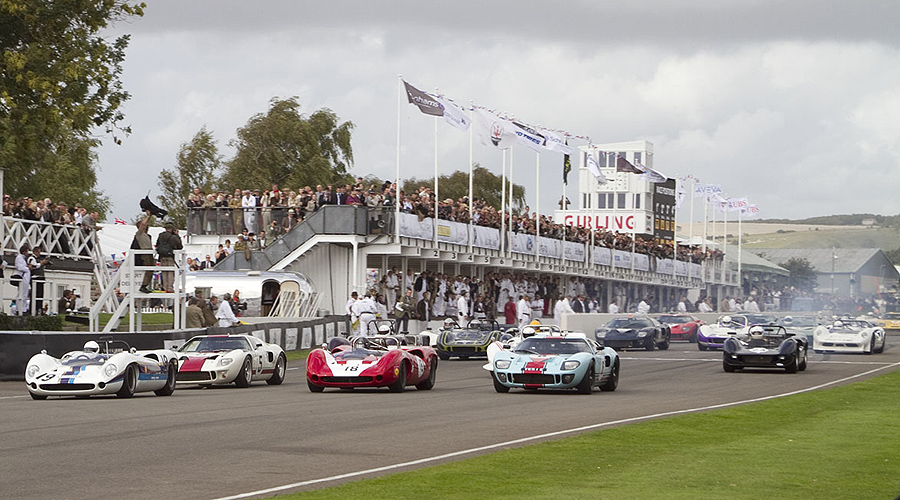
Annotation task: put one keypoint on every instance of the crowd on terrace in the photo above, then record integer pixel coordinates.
(276, 211)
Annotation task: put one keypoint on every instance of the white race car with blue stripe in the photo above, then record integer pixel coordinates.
(114, 369)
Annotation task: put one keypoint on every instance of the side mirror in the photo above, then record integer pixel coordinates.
(258, 345)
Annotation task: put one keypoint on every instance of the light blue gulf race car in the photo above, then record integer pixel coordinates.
(560, 360)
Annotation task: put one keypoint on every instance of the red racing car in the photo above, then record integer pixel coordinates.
(378, 361)
(683, 326)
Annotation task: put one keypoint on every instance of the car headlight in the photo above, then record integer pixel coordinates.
(109, 370)
(32, 370)
(502, 364)
(862, 334)
(601, 334)
(642, 334)
(225, 361)
(570, 365)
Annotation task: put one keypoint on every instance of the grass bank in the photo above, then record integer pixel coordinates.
(836, 443)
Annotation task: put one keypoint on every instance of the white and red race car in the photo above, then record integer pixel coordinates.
(223, 359)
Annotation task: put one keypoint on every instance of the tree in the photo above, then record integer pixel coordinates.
(59, 80)
(287, 148)
(196, 166)
(803, 275)
(485, 186)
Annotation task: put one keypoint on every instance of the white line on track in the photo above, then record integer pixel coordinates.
(12, 397)
(883, 363)
(421, 461)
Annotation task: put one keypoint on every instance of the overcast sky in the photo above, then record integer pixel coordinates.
(794, 104)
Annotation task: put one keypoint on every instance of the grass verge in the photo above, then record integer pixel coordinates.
(835, 443)
(297, 355)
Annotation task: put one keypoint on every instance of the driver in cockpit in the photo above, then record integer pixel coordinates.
(91, 349)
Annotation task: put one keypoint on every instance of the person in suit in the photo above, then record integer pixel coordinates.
(193, 314)
(423, 311)
(579, 305)
(207, 264)
(404, 309)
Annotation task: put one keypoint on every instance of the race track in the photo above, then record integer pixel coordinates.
(212, 443)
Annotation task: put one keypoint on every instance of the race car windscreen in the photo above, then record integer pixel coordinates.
(761, 319)
(629, 323)
(467, 336)
(213, 344)
(674, 320)
(892, 316)
(552, 346)
(799, 322)
(84, 359)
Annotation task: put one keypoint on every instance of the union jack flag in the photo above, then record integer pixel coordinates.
(120, 221)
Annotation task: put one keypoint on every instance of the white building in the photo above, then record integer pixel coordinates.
(625, 203)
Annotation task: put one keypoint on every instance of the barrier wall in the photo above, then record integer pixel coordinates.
(16, 348)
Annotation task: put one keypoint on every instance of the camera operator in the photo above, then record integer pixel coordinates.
(37, 265)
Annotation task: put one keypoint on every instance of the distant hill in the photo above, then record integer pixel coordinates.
(841, 220)
(887, 239)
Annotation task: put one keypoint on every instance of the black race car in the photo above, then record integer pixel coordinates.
(634, 331)
(765, 346)
(471, 341)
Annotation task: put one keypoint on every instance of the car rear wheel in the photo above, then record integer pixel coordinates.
(613, 381)
(245, 376)
(428, 383)
(497, 385)
(169, 388)
(278, 374)
(586, 386)
(400, 384)
(313, 387)
(129, 382)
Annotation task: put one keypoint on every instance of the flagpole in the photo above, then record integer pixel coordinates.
(503, 208)
(397, 173)
(725, 240)
(740, 276)
(510, 199)
(705, 219)
(691, 218)
(615, 204)
(537, 206)
(436, 196)
(471, 168)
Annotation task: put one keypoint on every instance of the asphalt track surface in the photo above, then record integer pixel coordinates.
(223, 442)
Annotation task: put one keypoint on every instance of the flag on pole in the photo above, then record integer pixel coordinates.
(454, 115)
(426, 103)
(567, 167)
(594, 168)
(711, 190)
(556, 143)
(652, 175)
(680, 193)
(623, 165)
(120, 221)
(528, 136)
(750, 211)
(493, 130)
(736, 204)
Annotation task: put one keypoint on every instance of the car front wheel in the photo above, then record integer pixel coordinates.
(245, 376)
(499, 387)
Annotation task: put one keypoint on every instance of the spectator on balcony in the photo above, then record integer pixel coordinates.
(208, 263)
(248, 204)
(142, 241)
(24, 272)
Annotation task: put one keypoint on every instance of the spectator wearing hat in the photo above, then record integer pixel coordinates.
(166, 244)
(290, 221)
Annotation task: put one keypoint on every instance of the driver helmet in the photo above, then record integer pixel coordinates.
(788, 319)
(756, 332)
(535, 322)
(384, 329)
(838, 324)
(448, 323)
(528, 331)
(91, 346)
(726, 320)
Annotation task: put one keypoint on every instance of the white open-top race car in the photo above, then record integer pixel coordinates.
(849, 335)
(223, 359)
(114, 368)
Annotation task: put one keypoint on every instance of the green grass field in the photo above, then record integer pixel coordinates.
(840, 443)
(885, 239)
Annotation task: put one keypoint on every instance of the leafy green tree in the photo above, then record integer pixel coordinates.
(196, 166)
(59, 81)
(285, 147)
(485, 186)
(803, 275)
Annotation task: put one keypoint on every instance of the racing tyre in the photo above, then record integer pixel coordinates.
(664, 345)
(728, 368)
(497, 385)
(245, 376)
(871, 346)
(129, 382)
(650, 344)
(313, 387)
(793, 366)
(428, 383)
(586, 386)
(443, 356)
(803, 360)
(37, 397)
(280, 369)
(169, 388)
(883, 343)
(701, 346)
(400, 384)
(613, 381)
(693, 338)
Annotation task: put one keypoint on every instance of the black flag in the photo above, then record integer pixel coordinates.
(567, 167)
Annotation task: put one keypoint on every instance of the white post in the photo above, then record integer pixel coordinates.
(725, 241)
(510, 198)
(691, 218)
(705, 215)
(400, 90)
(436, 195)
(740, 276)
(3, 237)
(471, 190)
(537, 206)
(615, 206)
(503, 208)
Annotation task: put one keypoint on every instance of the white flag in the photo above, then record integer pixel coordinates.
(680, 193)
(750, 211)
(527, 136)
(735, 204)
(454, 115)
(651, 175)
(556, 143)
(699, 190)
(493, 130)
(711, 191)
(594, 168)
